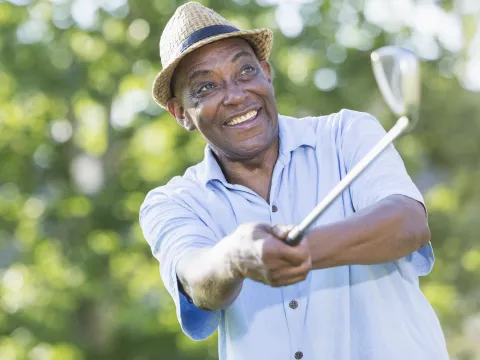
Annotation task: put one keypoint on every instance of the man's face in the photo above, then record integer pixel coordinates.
(222, 90)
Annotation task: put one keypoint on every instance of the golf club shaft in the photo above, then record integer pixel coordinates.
(296, 234)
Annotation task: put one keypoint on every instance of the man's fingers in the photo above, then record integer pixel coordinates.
(273, 249)
(282, 274)
(281, 231)
(288, 281)
(291, 275)
(295, 255)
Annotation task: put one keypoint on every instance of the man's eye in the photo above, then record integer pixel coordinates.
(247, 70)
(205, 88)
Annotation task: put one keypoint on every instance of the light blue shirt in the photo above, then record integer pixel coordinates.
(357, 312)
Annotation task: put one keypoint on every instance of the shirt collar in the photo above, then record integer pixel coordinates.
(293, 133)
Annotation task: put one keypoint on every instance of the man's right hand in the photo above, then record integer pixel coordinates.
(258, 252)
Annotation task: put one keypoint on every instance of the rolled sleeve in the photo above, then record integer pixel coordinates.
(172, 231)
(385, 176)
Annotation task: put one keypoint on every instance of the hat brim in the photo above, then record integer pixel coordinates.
(260, 40)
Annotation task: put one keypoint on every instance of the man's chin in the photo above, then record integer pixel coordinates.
(254, 150)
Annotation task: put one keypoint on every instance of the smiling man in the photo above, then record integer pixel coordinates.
(350, 289)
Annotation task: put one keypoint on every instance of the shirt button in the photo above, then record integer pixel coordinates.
(298, 355)
(274, 208)
(293, 304)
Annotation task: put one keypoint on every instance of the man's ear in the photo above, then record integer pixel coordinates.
(266, 70)
(178, 112)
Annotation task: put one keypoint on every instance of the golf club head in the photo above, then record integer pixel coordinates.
(397, 73)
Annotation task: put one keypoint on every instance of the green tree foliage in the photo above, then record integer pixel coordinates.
(81, 142)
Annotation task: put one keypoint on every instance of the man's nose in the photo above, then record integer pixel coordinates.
(234, 94)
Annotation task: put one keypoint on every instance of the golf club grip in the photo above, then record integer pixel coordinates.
(295, 235)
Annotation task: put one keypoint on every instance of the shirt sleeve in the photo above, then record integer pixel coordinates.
(172, 230)
(385, 176)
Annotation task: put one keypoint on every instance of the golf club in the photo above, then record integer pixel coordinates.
(397, 73)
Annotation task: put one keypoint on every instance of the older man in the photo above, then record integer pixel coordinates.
(350, 289)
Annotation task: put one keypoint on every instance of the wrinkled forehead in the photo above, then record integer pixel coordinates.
(210, 53)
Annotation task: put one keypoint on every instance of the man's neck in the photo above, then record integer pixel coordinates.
(255, 173)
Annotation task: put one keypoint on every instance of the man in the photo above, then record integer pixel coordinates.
(350, 289)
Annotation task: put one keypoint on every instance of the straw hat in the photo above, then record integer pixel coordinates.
(192, 26)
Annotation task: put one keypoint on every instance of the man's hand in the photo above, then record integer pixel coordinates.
(213, 277)
(259, 253)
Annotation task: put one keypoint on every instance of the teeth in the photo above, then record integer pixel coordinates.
(240, 119)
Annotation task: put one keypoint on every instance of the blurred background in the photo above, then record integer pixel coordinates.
(82, 142)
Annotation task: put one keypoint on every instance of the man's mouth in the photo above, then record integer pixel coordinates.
(240, 119)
